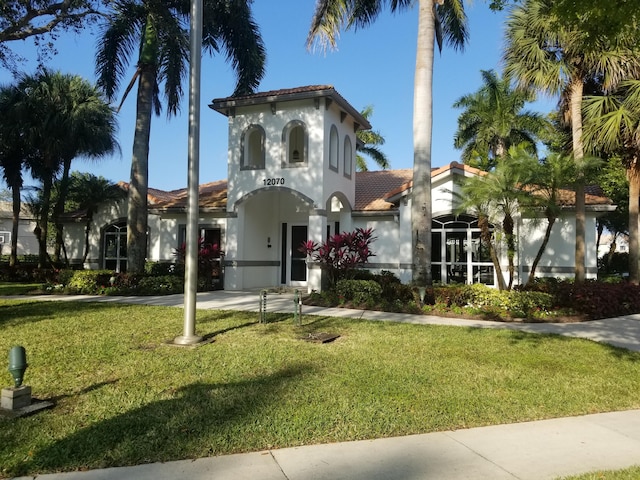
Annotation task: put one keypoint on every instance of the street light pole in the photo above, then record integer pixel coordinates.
(189, 336)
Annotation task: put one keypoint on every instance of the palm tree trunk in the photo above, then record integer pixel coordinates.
(138, 186)
(487, 240)
(13, 256)
(551, 220)
(43, 227)
(577, 88)
(422, 132)
(58, 210)
(508, 226)
(634, 211)
(86, 238)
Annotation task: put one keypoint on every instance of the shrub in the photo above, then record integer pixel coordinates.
(341, 254)
(156, 269)
(160, 285)
(359, 291)
(600, 300)
(89, 281)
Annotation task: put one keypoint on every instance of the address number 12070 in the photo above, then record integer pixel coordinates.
(273, 181)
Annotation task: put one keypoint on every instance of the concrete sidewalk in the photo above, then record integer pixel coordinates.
(544, 449)
(539, 450)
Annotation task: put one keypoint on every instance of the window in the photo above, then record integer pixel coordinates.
(253, 149)
(115, 247)
(333, 148)
(295, 140)
(348, 157)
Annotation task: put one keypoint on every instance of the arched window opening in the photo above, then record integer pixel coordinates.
(333, 148)
(348, 157)
(295, 140)
(115, 247)
(457, 252)
(253, 149)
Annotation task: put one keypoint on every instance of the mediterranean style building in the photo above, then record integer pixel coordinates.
(291, 178)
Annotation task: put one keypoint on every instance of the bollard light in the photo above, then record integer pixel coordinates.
(17, 364)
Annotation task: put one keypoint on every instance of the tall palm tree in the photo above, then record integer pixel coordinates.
(89, 192)
(438, 21)
(543, 54)
(368, 143)
(155, 36)
(92, 135)
(14, 154)
(612, 124)
(60, 117)
(493, 120)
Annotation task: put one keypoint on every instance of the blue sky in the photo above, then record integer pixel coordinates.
(372, 66)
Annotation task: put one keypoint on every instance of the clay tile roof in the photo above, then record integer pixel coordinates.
(211, 196)
(279, 93)
(372, 188)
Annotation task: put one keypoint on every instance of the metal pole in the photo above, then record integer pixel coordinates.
(189, 336)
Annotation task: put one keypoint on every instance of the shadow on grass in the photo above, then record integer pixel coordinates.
(201, 419)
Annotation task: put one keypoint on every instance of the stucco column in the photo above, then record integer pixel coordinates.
(233, 274)
(317, 231)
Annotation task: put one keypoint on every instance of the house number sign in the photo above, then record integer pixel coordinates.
(273, 181)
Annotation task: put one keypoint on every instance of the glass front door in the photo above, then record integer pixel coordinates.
(298, 263)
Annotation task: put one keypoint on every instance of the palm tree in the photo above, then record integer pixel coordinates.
(499, 193)
(158, 33)
(368, 143)
(612, 124)
(547, 179)
(92, 135)
(543, 54)
(89, 193)
(438, 20)
(13, 155)
(59, 119)
(493, 120)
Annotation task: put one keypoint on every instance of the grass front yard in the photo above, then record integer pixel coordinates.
(122, 397)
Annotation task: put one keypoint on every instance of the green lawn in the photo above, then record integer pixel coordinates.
(626, 474)
(15, 288)
(122, 397)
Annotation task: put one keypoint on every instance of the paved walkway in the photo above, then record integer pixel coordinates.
(539, 450)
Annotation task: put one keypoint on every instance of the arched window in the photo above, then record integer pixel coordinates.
(115, 247)
(253, 139)
(333, 148)
(457, 252)
(348, 157)
(295, 140)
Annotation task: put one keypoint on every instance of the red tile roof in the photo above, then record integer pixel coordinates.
(374, 190)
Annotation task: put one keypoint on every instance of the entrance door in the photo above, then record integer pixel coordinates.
(297, 259)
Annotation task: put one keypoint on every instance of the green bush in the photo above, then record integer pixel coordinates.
(159, 269)
(90, 282)
(160, 285)
(359, 291)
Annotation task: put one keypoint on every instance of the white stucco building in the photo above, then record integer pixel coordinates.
(291, 177)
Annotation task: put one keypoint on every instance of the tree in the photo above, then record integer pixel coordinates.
(438, 21)
(89, 192)
(22, 19)
(493, 120)
(546, 181)
(612, 123)
(496, 197)
(92, 135)
(158, 34)
(542, 53)
(61, 116)
(368, 143)
(593, 17)
(14, 154)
